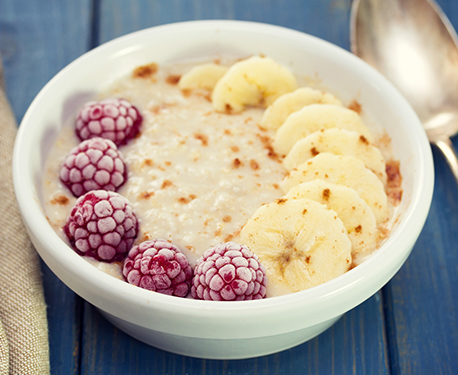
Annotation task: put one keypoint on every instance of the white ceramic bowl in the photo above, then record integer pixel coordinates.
(211, 329)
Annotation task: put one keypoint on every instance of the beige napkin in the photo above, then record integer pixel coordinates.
(23, 325)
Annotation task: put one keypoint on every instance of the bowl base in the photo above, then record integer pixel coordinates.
(219, 348)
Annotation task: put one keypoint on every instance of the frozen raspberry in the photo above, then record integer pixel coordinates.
(102, 225)
(159, 266)
(95, 164)
(229, 272)
(113, 119)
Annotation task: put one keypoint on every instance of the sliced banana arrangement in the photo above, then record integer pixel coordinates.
(355, 213)
(276, 114)
(339, 142)
(347, 171)
(202, 77)
(335, 210)
(300, 242)
(312, 118)
(254, 81)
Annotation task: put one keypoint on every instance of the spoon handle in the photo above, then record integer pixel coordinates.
(446, 146)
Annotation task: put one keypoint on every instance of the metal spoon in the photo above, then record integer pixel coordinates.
(414, 45)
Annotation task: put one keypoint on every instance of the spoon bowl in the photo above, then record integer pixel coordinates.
(415, 46)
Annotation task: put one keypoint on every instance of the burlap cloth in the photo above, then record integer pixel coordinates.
(23, 324)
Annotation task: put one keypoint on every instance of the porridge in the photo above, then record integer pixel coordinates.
(211, 166)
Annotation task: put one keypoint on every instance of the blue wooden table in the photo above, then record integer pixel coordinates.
(409, 327)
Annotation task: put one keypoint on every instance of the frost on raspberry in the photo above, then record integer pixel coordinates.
(95, 164)
(102, 225)
(160, 266)
(229, 272)
(113, 119)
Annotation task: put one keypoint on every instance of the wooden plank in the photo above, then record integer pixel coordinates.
(425, 296)
(64, 311)
(356, 344)
(37, 39)
(326, 19)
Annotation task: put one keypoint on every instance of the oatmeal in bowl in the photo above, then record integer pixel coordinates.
(253, 181)
(206, 152)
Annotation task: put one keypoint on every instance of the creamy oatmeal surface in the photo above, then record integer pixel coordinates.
(195, 176)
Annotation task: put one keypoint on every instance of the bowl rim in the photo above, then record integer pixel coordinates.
(412, 222)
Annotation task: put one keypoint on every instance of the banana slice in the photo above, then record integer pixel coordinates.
(347, 171)
(276, 114)
(356, 215)
(255, 81)
(300, 242)
(339, 142)
(202, 77)
(316, 117)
